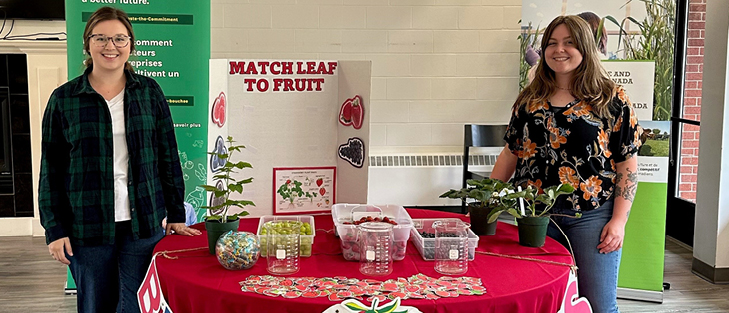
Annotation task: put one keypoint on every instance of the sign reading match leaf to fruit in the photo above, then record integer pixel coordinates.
(352, 112)
(296, 114)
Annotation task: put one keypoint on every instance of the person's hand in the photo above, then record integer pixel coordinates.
(612, 236)
(181, 229)
(58, 249)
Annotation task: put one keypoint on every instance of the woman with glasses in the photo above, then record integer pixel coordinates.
(110, 171)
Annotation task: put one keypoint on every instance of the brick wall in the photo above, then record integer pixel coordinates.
(692, 99)
(436, 65)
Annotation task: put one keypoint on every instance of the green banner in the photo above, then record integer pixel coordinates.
(645, 236)
(172, 39)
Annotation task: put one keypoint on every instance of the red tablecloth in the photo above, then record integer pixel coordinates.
(195, 282)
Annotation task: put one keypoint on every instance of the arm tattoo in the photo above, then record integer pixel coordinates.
(631, 184)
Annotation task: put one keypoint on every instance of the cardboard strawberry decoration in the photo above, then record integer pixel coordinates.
(352, 112)
(218, 113)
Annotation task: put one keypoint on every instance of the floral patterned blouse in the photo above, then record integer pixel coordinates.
(571, 145)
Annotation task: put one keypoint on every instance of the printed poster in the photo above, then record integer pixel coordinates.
(304, 190)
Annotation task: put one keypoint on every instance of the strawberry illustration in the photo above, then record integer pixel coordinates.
(357, 114)
(310, 294)
(443, 293)
(322, 191)
(218, 112)
(319, 182)
(345, 113)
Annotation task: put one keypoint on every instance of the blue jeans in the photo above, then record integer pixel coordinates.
(597, 275)
(108, 276)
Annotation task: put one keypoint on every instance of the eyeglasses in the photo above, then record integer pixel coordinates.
(119, 41)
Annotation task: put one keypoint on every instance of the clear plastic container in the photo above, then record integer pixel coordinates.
(307, 236)
(451, 247)
(283, 246)
(426, 246)
(375, 242)
(347, 213)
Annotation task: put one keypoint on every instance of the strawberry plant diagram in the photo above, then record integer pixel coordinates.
(299, 190)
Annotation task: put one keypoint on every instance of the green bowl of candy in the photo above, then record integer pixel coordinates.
(280, 224)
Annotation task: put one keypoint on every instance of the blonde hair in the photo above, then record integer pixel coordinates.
(589, 82)
(107, 14)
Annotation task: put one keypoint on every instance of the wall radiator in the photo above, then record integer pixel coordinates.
(418, 180)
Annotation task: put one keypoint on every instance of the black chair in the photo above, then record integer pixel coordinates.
(479, 136)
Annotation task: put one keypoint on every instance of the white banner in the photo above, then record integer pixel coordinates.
(149, 295)
(637, 77)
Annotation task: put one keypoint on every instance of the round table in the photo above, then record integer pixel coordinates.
(195, 282)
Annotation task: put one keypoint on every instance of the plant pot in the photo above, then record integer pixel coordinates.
(479, 221)
(533, 230)
(215, 229)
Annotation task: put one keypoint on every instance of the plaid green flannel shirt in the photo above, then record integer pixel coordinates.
(76, 192)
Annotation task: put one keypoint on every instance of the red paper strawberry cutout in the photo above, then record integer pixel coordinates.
(310, 294)
(218, 112)
(443, 293)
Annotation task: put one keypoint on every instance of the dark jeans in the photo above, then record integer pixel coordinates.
(108, 277)
(597, 275)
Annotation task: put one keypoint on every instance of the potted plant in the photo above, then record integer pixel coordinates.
(532, 216)
(218, 221)
(485, 196)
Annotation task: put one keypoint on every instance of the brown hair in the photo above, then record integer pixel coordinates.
(589, 82)
(107, 14)
(594, 21)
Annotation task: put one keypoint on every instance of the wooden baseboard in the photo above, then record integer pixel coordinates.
(710, 273)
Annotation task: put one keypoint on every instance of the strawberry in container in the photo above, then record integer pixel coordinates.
(348, 216)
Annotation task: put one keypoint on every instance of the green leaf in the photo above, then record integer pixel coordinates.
(565, 189)
(241, 203)
(356, 307)
(242, 165)
(213, 218)
(494, 215)
(391, 307)
(447, 194)
(514, 213)
(235, 187)
(209, 188)
(219, 193)
(239, 214)
(223, 176)
(516, 195)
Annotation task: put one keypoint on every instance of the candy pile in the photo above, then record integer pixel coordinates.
(338, 288)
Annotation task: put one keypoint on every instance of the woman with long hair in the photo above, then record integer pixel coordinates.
(110, 171)
(573, 125)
